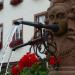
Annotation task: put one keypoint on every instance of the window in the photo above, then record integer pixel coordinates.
(15, 2)
(1, 36)
(17, 38)
(18, 33)
(39, 17)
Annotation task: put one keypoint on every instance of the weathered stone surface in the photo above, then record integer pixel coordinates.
(62, 14)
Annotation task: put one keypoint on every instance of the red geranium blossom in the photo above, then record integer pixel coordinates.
(23, 62)
(52, 60)
(32, 59)
(27, 60)
(14, 70)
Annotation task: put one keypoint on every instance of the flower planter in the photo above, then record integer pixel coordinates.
(15, 43)
(1, 45)
(1, 5)
(16, 2)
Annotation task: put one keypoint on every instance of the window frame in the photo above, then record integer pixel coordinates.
(1, 39)
(17, 41)
(36, 16)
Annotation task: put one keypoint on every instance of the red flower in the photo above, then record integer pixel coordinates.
(23, 61)
(28, 60)
(34, 58)
(15, 2)
(14, 70)
(52, 60)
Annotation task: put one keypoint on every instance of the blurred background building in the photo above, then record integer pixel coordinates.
(11, 35)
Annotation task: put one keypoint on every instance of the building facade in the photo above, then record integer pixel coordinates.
(10, 12)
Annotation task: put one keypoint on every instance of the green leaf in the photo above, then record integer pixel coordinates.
(42, 73)
(26, 71)
(34, 68)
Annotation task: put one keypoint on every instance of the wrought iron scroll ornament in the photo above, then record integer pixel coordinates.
(45, 40)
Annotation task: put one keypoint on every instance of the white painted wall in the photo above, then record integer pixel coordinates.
(25, 10)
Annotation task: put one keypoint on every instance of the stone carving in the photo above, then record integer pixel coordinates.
(70, 2)
(58, 15)
(62, 14)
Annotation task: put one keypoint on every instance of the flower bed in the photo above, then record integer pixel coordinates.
(30, 64)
